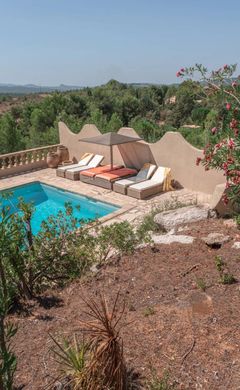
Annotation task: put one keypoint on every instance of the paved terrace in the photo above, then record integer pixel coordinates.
(131, 209)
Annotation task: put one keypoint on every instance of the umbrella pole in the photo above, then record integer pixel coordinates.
(111, 156)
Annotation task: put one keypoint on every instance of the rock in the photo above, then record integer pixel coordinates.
(170, 238)
(168, 220)
(217, 203)
(236, 245)
(183, 229)
(230, 223)
(142, 245)
(197, 303)
(95, 268)
(215, 240)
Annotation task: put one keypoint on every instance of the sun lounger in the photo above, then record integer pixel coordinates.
(145, 173)
(160, 181)
(107, 179)
(73, 174)
(88, 176)
(84, 160)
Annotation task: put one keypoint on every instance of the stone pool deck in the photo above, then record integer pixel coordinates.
(130, 209)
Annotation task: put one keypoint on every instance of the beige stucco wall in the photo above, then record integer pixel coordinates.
(172, 150)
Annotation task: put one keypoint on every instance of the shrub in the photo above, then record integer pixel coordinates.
(225, 276)
(148, 311)
(119, 236)
(201, 284)
(237, 219)
(72, 358)
(8, 360)
(222, 151)
(199, 114)
(163, 383)
(63, 249)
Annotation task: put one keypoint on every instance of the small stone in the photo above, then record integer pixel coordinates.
(142, 245)
(215, 240)
(230, 223)
(95, 268)
(236, 245)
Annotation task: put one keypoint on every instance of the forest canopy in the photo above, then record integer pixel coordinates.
(150, 109)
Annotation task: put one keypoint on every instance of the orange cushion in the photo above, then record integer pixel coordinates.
(94, 171)
(117, 173)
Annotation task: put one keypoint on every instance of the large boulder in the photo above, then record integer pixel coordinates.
(170, 238)
(217, 203)
(168, 220)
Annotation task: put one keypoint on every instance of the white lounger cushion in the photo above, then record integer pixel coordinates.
(156, 179)
(95, 161)
(145, 184)
(82, 162)
(146, 171)
(144, 174)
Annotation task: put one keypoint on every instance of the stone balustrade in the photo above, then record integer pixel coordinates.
(25, 160)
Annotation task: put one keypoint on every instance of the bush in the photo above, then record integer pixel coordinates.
(118, 236)
(162, 383)
(196, 137)
(222, 151)
(199, 115)
(64, 248)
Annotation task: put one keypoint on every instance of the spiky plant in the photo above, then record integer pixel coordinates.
(106, 367)
(72, 358)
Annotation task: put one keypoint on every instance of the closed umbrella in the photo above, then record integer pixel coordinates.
(110, 139)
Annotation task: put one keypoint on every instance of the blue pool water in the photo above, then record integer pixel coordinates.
(49, 200)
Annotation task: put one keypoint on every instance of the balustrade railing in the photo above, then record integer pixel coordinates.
(23, 160)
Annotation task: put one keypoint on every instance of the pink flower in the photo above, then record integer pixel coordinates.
(225, 166)
(182, 70)
(178, 74)
(225, 67)
(233, 124)
(234, 84)
(228, 106)
(198, 160)
(214, 130)
(225, 199)
(231, 143)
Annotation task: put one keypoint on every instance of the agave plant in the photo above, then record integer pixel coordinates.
(106, 368)
(72, 357)
(97, 364)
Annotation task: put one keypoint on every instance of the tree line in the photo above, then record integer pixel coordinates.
(150, 110)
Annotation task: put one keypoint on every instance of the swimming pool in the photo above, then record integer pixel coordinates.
(49, 200)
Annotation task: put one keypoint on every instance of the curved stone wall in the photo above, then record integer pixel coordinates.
(172, 150)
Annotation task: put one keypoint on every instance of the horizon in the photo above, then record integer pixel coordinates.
(8, 84)
(78, 44)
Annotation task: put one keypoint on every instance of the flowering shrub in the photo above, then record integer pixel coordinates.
(223, 150)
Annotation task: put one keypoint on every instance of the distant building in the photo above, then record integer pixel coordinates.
(171, 100)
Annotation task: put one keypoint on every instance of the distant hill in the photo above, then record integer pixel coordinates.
(31, 88)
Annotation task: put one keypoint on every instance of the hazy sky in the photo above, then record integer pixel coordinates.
(88, 42)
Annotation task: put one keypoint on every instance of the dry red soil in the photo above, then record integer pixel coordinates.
(172, 324)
